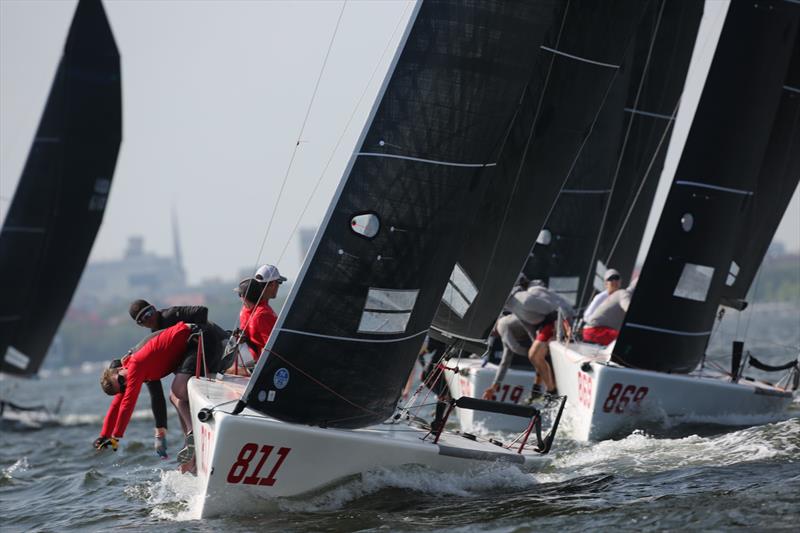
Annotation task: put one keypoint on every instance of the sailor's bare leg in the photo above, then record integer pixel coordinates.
(537, 355)
(179, 396)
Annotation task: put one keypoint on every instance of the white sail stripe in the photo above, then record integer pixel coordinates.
(792, 1)
(789, 87)
(648, 113)
(431, 161)
(23, 229)
(670, 331)
(351, 339)
(714, 187)
(586, 191)
(579, 58)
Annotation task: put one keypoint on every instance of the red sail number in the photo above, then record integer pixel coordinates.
(620, 396)
(242, 464)
(516, 394)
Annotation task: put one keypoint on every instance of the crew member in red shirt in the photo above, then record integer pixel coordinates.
(166, 352)
(257, 318)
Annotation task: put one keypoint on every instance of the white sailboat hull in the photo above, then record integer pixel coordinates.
(245, 459)
(472, 379)
(607, 401)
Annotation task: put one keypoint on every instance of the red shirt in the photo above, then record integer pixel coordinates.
(159, 357)
(257, 324)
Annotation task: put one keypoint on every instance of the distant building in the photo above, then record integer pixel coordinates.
(139, 274)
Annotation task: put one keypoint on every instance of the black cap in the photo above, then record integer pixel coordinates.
(137, 306)
(251, 289)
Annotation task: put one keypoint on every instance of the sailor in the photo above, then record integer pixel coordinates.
(612, 281)
(602, 326)
(516, 340)
(168, 351)
(147, 316)
(257, 318)
(537, 309)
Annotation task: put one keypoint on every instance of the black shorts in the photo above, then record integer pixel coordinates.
(214, 339)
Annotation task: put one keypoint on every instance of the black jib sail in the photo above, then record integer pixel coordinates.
(349, 334)
(587, 42)
(777, 181)
(601, 213)
(61, 196)
(671, 315)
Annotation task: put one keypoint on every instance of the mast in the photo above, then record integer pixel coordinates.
(671, 314)
(349, 334)
(601, 213)
(61, 197)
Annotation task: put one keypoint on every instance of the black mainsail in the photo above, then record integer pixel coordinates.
(61, 197)
(349, 334)
(669, 321)
(601, 213)
(774, 189)
(579, 70)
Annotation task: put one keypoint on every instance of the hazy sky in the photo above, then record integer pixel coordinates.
(215, 95)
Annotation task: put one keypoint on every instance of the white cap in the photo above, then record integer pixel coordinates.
(269, 273)
(610, 272)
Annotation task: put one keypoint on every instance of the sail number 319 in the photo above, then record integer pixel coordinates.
(243, 461)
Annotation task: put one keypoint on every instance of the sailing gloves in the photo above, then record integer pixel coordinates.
(160, 443)
(101, 443)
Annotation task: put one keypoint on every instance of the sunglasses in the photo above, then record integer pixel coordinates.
(144, 314)
(613, 278)
(121, 382)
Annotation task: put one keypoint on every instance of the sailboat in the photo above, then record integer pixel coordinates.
(61, 197)
(612, 171)
(321, 404)
(736, 173)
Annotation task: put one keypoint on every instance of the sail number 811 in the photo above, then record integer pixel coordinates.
(242, 465)
(620, 396)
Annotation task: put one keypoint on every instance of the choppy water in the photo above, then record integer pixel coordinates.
(51, 479)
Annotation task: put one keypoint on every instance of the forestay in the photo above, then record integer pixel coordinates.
(671, 315)
(351, 329)
(61, 197)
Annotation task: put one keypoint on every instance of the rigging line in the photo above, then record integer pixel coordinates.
(321, 384)
(344, 131)
(639, 90)
(300, 135)
(524, 153)
(649, 167)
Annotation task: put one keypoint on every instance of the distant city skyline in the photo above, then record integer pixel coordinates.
(215, 95)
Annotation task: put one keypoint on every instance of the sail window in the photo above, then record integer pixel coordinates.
(387, 311)
(366, 224)
(687, 222)
(694, 282)
(16, 358)
(566, 287)
(732, 273)
(544, 238)
(600, 276)
(460, 291)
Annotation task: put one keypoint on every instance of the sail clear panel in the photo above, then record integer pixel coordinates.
(599, 216)
(587, 41)
(715, 181)
(61, 196)
(424, 161)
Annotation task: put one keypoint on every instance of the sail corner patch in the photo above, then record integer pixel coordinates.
(460, 291)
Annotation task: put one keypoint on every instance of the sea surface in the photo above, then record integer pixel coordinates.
(744, 478)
